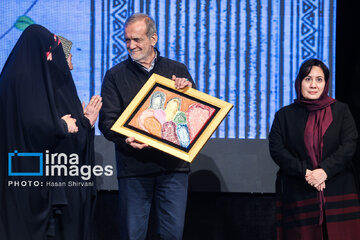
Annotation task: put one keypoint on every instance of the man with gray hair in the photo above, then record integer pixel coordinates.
(146, 176)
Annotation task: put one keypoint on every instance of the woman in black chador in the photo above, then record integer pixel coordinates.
(40, 112)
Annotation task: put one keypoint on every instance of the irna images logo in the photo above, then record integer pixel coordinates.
(54, 164)
(15, 156)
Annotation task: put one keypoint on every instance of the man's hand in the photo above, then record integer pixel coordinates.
(135, 144)
(181, 83)
(91, 111)
(316, 177)
(71, 123)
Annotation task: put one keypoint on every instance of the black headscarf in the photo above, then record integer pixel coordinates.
(34, 94)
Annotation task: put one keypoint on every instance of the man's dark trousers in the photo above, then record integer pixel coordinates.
(168, 193)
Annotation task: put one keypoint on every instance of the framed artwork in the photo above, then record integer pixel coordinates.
(178, 122)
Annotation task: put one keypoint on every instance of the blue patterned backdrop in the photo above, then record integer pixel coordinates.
(246, 52)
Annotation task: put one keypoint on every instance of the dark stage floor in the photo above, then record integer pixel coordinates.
(209, 216)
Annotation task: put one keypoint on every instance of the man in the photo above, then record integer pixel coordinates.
(146, 176)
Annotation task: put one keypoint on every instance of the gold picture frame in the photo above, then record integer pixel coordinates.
(178, 122)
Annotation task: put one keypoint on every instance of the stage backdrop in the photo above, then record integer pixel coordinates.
(246, 52)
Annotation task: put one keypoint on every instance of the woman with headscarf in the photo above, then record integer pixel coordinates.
(313, 141)
(40, 112)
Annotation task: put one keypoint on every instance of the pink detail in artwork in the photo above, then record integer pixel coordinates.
(197, 116)
(160, 115)
(168, 132)
(145, 114)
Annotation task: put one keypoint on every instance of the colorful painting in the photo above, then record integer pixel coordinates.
(172, 117)
(177, 122)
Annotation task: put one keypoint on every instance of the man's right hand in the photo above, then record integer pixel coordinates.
(135, 144)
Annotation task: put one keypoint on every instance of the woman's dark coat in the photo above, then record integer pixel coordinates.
(298, 203)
